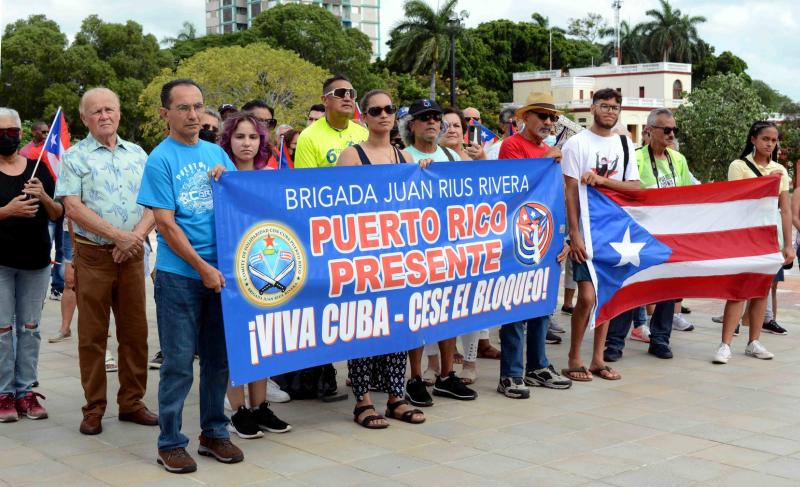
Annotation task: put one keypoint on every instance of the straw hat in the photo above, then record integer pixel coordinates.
(540, 102)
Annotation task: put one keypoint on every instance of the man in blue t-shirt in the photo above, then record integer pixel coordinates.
(176, 185)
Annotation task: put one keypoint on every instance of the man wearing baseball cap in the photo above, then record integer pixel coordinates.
(226, 110)
(422, 130)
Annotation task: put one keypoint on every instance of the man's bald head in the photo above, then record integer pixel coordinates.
(472, 113)
(95, 92)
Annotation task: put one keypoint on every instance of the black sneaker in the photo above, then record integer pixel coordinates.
(772, 326)
(417, 393)
(451, 386)
(156, 361)
(685, 310)
(547, 378)
(736, 331)
(243, 423)
(513, 387)
(611, 355)
(552, 338)
(660, 350)
(567, 310)
(267, 421)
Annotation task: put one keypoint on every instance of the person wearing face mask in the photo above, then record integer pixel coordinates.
(210, 122)
(26, 205)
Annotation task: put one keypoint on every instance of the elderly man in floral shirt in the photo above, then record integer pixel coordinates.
(98, 182)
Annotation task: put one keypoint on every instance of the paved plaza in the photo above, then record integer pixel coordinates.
(666, 423)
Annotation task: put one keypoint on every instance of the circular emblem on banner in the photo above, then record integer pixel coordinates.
(270, 264)
(533, 232)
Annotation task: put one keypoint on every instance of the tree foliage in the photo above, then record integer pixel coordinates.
(714, 124)
(589, 28)
(237, 75)
(671, 33)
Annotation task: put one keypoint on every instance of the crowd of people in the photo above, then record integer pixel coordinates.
(114, 195)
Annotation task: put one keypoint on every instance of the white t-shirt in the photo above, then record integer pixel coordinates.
(587, 151)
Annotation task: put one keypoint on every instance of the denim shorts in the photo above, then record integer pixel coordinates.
(580, 272)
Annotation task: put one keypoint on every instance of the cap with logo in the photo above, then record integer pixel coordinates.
(424, 106)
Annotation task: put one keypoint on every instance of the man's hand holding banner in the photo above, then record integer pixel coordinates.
(340, 263)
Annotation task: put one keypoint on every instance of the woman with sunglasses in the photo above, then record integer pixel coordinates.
(757, 159)
(383, 372)
(26, 205)
(453, 138)
(245, 141)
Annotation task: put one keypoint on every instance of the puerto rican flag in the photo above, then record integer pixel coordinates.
(487, 136)
(715, 240)
(56, 143)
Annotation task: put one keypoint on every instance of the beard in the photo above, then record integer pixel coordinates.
(604, 125)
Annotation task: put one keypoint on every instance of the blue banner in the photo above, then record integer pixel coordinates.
(330, 264)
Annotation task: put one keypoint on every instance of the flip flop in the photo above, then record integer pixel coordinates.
(609, 373)
(489, 352)
(570, 374)
(458, 359)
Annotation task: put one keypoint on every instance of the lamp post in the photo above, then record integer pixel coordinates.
(455, 21)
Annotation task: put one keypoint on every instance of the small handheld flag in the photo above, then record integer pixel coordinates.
(56, 143)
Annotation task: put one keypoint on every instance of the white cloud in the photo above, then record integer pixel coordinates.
(761, 33)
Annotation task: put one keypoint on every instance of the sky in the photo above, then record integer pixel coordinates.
(761, 33)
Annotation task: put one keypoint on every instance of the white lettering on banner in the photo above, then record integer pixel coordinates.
(492, 185)
(328, 196)
(409, 191)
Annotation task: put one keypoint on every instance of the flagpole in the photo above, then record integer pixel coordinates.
(280, 152)
(41, 152)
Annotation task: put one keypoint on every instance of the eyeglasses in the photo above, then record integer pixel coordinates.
(604, 107)
(547, 116)
(185, 109)
(429, 116)
(342, 92)
(667, 130)
(270, 123)
(376, 111)
(207, 126)
(10, 132)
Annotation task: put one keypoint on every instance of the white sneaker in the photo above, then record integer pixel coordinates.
(111, 364)
(275, 393)
(757, 350)
(680, 323)
(723, 354)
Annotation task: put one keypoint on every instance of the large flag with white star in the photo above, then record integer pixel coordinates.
(717, 240)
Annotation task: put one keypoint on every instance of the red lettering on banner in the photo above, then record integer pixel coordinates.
(341, 272)
(390, 230)
(494, 249)
(367, 271)
(367, 231)
(321, 232)
(417, 272)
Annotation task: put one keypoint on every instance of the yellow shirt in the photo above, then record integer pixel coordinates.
(320, 144)
(739, 170)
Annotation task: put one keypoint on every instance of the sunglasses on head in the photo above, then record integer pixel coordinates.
(376, 111)
(270, 123)
(342, 92)
(11, 132)
(429, 116)
(667, 130)
(547, 116)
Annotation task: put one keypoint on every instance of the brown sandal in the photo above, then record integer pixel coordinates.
(570, 374)
(489, 352)
(606, 373)
(406, 417)
(368, 421)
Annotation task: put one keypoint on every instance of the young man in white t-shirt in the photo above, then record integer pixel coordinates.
(593, 157)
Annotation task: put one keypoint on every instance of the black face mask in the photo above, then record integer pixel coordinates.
(8, 145)
(208, 136)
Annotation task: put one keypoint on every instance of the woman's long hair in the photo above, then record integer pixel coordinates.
(756, 129)
(264, 148)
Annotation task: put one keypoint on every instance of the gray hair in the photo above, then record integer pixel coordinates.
(213, 113)
(408, 135)
(506, 114)
(651, 119)
(283, 126)
(99, 89)
(12, 114)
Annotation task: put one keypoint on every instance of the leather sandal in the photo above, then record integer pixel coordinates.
(368, 421)
(407, 416)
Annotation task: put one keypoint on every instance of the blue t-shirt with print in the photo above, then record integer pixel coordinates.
(176, 178)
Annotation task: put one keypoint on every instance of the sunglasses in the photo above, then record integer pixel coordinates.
(270, 123)
(667, 130)
(469, 119)
(429, 116)
(210, 127)
(342, 92)
(376, 111)
(10, 132)
(547, 116)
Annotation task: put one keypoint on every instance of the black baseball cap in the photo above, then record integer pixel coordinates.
(226, 107)
(424, 106)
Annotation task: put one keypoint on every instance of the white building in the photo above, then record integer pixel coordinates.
(224, 16)
(644, 87)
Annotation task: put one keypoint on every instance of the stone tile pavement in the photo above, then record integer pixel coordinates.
(666, 423)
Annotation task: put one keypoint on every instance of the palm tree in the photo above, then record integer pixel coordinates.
(421, 42)
(630, 43)
(188, 32)
(671, 35)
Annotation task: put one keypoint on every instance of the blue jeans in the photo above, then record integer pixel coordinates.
(22, 295)
(188, 313)
(640, 316)
(56, 235)
(660, 327)
(511, 352)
